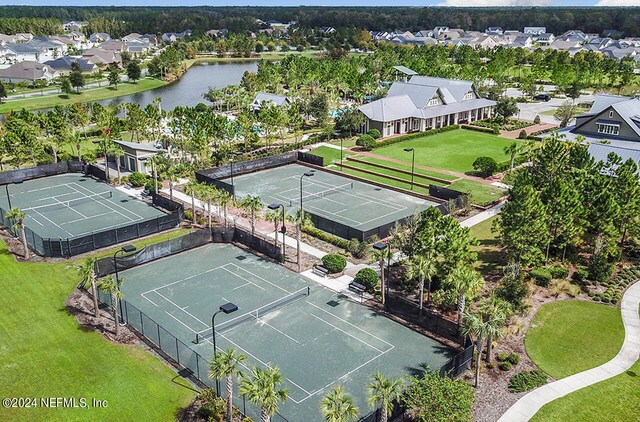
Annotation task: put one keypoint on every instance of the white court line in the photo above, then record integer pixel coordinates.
(103, 203)
(37, 221)
(260, 321)
(180, 321)
(182, 279)
(241, 277)
(182, 309)
(244, 285)
(149, 300)
(357, 222)
(85, 218)
(344, 332)
(256, 276)
(45, 217)
(68, 206)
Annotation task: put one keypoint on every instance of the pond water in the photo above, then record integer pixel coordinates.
(189, 89)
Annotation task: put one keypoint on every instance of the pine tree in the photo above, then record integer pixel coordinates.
(76, 77)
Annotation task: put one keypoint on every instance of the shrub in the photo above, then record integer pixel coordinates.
(513, 289)
(334, 263)
(522, 134)
(188, 215)
(600, 269)
(446, 300)
(137, 179)
(512, 358)
(358, 248)
(374, 133)
(505, 366)
(541, 276)
(536, 120)
(559, 271)
(366, 142)
(502, 356)
(437, 399)
(490, 128)
(326, 237)
(415, 135)
(525, 381)
(485, 165)
(368, 278)
(581, 275)
(150, 186)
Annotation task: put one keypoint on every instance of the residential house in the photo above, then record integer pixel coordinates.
(28, 71)
(327, 30)
(440, 31)
(6, 39)
(424, 34)
(263, 98)
(171, 37)
(612, 117)
(69, 26)
(133, 151)
(23, 37)
(600, 152)
(63, 65)
(523, 41)
(223, 33)
(113, 45)
(545, 39)
(612, 33)
(103, 57)
(534, 30)
(493, 30)
(425, 103)
(98, 38)
(20, 52)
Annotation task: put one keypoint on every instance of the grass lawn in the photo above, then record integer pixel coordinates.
(455, 150)
(490, 256)
(572, 336)
(481, 193)
(88, 95)
(45, 353)
(329, 154)
(615, 399)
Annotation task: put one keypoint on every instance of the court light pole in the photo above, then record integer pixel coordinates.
(6, 188)
(381, 247)
(227, 308)
(301, 217)
(233, 155)
(413, 163)
(283, 230)
(124, 249)
(341, 154)
(153, 171)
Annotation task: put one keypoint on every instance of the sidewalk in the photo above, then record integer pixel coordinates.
(527, 406)
(484, 215)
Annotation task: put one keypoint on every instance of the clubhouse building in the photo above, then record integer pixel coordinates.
(422, 103)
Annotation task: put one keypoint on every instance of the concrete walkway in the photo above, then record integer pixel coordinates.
(484, 215)
(527, 406)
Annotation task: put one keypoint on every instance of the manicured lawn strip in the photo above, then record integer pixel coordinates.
(393, 173)
(490, 256)
(382, 179)
(329, 154)
(615, 399)
(481, 193)
(91, 94)
(141, 243)
(454, 150)
(45, 353)
(572, 336)
(345, 144)
(407, 168)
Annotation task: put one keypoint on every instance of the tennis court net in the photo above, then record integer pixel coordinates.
(72, 202)
(254, 315)
(325, 193)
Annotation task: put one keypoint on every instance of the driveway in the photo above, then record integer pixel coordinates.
(529, 111)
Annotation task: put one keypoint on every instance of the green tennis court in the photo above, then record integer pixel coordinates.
(72, 205)
(318, 339)
(355, 204)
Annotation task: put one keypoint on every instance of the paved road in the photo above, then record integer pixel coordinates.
(527, 406)
(529, 111)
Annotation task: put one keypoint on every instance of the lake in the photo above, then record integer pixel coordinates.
(189, 89)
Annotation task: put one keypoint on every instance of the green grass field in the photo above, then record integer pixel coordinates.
(490, 256)
(455, 150)
(615, 399)
(329, 154)
(45, 353)
(88, 95)
(568, 337)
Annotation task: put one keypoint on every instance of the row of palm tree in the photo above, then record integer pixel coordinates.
(263, 388)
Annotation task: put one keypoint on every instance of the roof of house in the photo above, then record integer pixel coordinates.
(23, 48)
(389, 108)
(66, 61)
(626, 107)
(138, 146)
(27, 70)
(600, 152)
(274, 98)
(405, 70)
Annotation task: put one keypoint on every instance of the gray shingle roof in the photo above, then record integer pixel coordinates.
(600, 152)
(273, 98)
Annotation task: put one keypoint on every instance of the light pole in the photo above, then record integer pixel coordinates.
(301, 216)
(153, 170)
(283, 230)
(6, 188)
(124, 249)
(106, 159)
(380, 247)
(227, 308)
(233, 154)
(413, 162)
(341, 169)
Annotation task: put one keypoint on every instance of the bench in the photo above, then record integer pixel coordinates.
(320, 270)
(357, 287)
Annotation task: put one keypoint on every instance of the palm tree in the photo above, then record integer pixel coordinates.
(111, 286)
(18, 216)
(88, 272)
(207, 193)
(424, 269)
(511, 151)
(191, 188)
(338, 406)
(382, 392)
(274, 216)
(116, 151)
(252, 204)
(474, 326)
(225, 365)
(172, 176)
(497, 310)
(263, 390)
(224, 199)
(465, 282)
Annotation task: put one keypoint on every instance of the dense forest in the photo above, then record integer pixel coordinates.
(119, 21)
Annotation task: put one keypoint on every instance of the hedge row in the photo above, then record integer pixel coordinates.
(324, 236)
(481, 129)
(415, 135)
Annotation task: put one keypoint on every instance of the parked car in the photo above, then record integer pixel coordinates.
(542, 97)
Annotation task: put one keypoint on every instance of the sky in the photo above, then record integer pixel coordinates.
(465, 3)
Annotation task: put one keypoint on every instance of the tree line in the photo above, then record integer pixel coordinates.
(119, 21)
